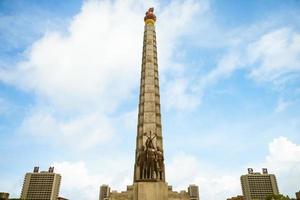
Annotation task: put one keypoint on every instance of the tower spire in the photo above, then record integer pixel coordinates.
(150, 18)
(149, 159)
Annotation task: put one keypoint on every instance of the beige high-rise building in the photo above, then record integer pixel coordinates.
(42, 185)
(149, 180)
(256, 186)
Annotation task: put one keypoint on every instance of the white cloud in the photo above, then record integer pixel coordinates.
(214, 183)
(283, 150)
(81, 132)
(172, 25)
(270, 57)
(76, 182)
(81, 77)
(178, 96)
(282, 105)
(225, 67)
(80, 182)
(182, 170)
(278, 54)
(94, 66)
(284, 160)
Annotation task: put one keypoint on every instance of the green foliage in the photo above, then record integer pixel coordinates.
(278, 197)
(16, 199)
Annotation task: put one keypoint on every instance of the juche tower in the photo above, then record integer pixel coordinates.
(149, 135)
(149, 168)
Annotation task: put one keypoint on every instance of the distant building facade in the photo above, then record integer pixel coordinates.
(193, 191)
(4, 196)
(256, 186)
(239, 197)
(104, 192)
(298, 195)
(42, 185)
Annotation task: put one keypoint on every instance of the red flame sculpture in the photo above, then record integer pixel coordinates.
(150, 14)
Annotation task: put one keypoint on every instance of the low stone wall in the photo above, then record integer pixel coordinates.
(149, 191)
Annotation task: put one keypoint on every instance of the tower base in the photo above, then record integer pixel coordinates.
(149, 191)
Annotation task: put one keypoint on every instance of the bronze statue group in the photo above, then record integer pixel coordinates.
(150, 161)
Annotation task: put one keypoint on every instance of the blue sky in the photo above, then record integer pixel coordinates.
(229, 81)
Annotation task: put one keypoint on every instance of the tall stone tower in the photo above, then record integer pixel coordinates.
(149, 168)
(149, 134)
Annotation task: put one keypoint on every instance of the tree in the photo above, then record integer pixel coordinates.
(277, 197)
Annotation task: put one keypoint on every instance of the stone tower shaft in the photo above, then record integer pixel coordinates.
(149, 165)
